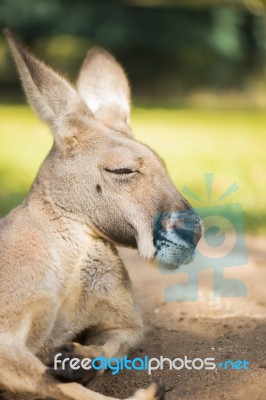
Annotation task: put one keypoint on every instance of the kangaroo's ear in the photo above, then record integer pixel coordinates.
(103, 85)
(50, 95)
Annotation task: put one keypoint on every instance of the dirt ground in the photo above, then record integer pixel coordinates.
(223, 328)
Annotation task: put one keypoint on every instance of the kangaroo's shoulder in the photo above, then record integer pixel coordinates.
(22, 242)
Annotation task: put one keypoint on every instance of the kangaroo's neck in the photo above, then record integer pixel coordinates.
(72, 238)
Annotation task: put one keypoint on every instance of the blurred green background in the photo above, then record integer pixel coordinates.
(198, 73)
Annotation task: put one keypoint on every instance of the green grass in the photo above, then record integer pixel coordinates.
(230, 144)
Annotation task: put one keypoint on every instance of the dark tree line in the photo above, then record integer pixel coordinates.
(168, 50)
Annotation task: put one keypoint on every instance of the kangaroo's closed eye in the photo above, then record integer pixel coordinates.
(120, 171)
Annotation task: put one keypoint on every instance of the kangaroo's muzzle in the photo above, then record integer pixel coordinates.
(176, 235)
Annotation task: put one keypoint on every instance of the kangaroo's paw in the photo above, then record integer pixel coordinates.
(63, 372)
(154, 392)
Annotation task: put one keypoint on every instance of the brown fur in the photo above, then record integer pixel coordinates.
(59, 270)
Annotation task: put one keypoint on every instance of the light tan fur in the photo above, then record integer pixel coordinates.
(60, 272)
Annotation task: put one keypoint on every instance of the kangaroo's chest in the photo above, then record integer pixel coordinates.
(91, 285)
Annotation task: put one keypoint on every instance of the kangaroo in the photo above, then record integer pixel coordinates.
(60, 272)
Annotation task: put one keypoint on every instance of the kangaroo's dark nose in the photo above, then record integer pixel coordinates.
(188, 226)
(191, 236)
(176, 235)
(184, 223)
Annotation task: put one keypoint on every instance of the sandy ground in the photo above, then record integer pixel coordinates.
(223, 328)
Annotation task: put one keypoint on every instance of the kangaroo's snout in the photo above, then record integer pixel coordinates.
(188, 227)
(176, 235)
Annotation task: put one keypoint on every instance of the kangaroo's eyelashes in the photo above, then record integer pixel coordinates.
(120, 171)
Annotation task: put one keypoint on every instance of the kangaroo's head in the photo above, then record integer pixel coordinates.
(96, 172)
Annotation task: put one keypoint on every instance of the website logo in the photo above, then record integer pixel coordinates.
(223, 245)
(147, 364)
